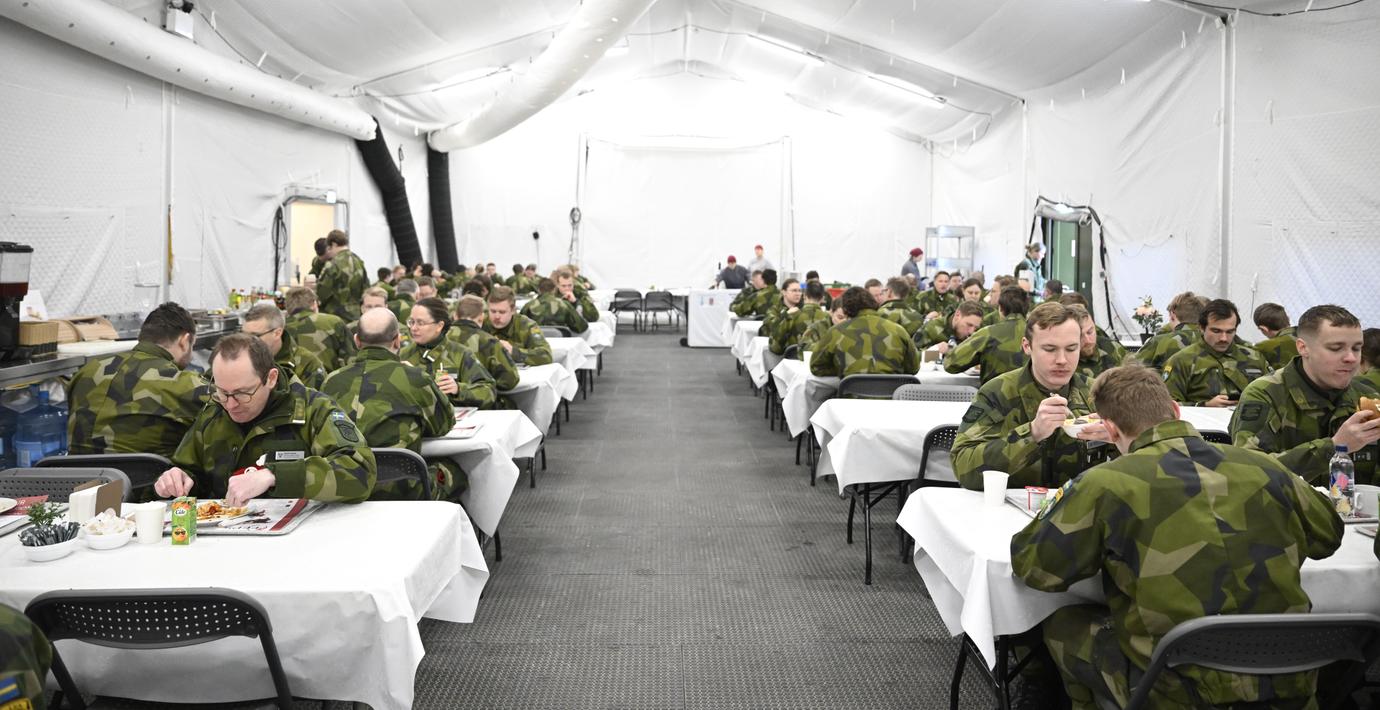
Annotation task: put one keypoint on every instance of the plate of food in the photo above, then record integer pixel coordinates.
(1075, 425)
(214, 512)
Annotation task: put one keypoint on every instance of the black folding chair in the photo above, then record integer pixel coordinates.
(660, 302)
(56, 483)
(152, 619)
(627, 301)
(938, 442)
(555, 331)
(399, 465)
(142, 470)
(873, 386)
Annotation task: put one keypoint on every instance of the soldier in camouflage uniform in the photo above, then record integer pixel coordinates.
(321, 334)
(456, 370)
(583, 282)
(395, 405)
(576, 295)
(1213, 371)
(373, 298)
(1300, 412)
(318, 262)
(25, 656)
(896, 308)
(945, 333)
(141, 401)
(1095, 355)
(991, 298)
(1214, 550)
(865, 344)
(1370, 358)
(343, 280)
(548, 308)
(1279, 346)
(265, 322)
(764, 297)
(939, 299)
(790, 301)
(404, 296)
(385, 281)
(468, 332)
(269, 437)
(745, 293)
(1181, 331)
(997, 347)
(794, 323)
(518, 334)
(810, 339)
(1015, 423)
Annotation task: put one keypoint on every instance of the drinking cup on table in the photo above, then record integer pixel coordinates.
(1366, 504)
(994, 488)
(148, 522)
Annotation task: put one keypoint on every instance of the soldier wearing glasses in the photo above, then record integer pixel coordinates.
(265, 322)
(267, 436)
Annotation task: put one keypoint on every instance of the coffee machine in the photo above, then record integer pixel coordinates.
(14, 285)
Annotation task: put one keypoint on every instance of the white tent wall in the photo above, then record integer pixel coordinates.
(861, 195)
(981, 185)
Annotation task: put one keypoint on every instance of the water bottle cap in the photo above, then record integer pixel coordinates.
(1341, 448)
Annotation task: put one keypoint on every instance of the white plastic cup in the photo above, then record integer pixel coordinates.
(1366, 500)
(994, 488)
(148, 522)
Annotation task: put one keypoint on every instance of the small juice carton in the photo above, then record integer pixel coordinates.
(183, 521)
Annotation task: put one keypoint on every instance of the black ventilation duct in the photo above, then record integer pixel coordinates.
(393, 189)
(442, 222)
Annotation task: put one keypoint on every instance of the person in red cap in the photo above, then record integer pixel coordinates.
(912, 265)
(732, 276)
(761, 263)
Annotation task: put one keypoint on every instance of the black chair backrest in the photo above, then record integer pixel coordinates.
(626, 300)
(1265, 644)
(792, 352)
(400, 465)
(1216, 437)
(555, 331)
(143, 470)
(941, 438)
(873, 386)
(56, 483)
(938, 443)
(935, 393)
(658, 301)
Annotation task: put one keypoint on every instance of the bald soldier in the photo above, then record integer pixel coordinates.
(267, 436)
(1015, 423)
(519, 335)
(395, 405)
(1171, 543)
(343, 280)
(996, 348)
(141, 401)
(864, 344)
(265, 322)
(1213, 371)
(321, 334)
(1302, 411)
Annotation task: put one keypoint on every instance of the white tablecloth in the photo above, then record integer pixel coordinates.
(540, 390)
(344, 593)
(803, 393)
(963, 552)
(573, 354)
(755, 359)
(872, 441)
(487, 458)
(743, 333)
(600, 334)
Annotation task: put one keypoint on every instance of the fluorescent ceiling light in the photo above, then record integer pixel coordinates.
(787, 49)
(911, 91)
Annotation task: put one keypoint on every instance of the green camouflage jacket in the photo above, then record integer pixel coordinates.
(867, 344)
(901, 314)
(341, 286)
(401, 305)
(323, 335)
(1279, 350)
(1109, 345)
(25, 656)
(489, 351)
(1173, 542)
(308, 443)
(1198, 373)
(1370, 377)
(1158, 349)
(387, 288)
(395, 405)
(550, 309)
(475, 386)
(996, 349)
(758, 304)
(932, 301)
(936, 331)
(521, 284)
(134, 402)
(584, 305)
(995, 434)
(991, 317)
(1285, 415)
(529, 346)
(744, 295)
(1105, 358)
(299, 363)
(810, 339)
(789, 327)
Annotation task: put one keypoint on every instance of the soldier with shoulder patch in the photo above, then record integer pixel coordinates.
(321, 334)
(1302, 411)
(268, 436)
(519, 335)
(864, 344)
(1171, 544)
(997, 347)
(265, 322)
(1280, 344)
(25, 657)
(1215, 370)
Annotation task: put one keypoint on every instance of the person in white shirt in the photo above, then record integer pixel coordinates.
(760, 263)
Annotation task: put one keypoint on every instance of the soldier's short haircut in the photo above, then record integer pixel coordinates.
(970, 282)
(470, 307)
(811, 275)
(937, 274)
(1370, 347)
(899, 287)
(1133, 397)
(872, 283)
(1271, 315)
(428, 268)
(299, 298)
(426, 281)
(1073, 298)
(1187, 307)
(499, 294)
(1078, 310)
(546, 286)
(166, 323)
(436, 308)
(384, 273)
(531, 267)
(562, 274)
(475, 287)
(375, 292)
(1054, 287)
(769, 277)
(978, 276)
(320, 246)
(266, 312)
(337, 238)
(1002, 282)
(787, 283)
(968, 308)
(756, 272)
(1313, 319)
(1013, 300)
(814, 291)
(490, 264)
(1047, 315)
(232, 346)
(1219, 309)
(378, 336)
(856, 300)
(407, 286)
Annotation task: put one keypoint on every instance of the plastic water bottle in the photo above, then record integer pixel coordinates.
(1341, 482)
(42, 432)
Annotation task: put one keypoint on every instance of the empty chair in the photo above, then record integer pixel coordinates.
(934, 393)
(627, 301)
(399, 465)
(873, 386)
(555, 331)
(56, 483)
(152, 619)
(143, 470)
(660, 302)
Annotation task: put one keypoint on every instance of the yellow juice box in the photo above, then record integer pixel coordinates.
(183, 521)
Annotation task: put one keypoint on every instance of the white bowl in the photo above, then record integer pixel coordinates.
(48, 553)
(110, 541)
(1074, 429)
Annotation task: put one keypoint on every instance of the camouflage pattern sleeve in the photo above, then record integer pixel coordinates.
(340, 467)
(475, 386)
(25, 657)
(1177, 371)
(587, 309)
(823, 361)
(932, 333)
(986, 442)
(189, 455)
(1322, 526)
(1065, 544)
(572, 318)
(535, 349)
(969, 352)
(1258, 424)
